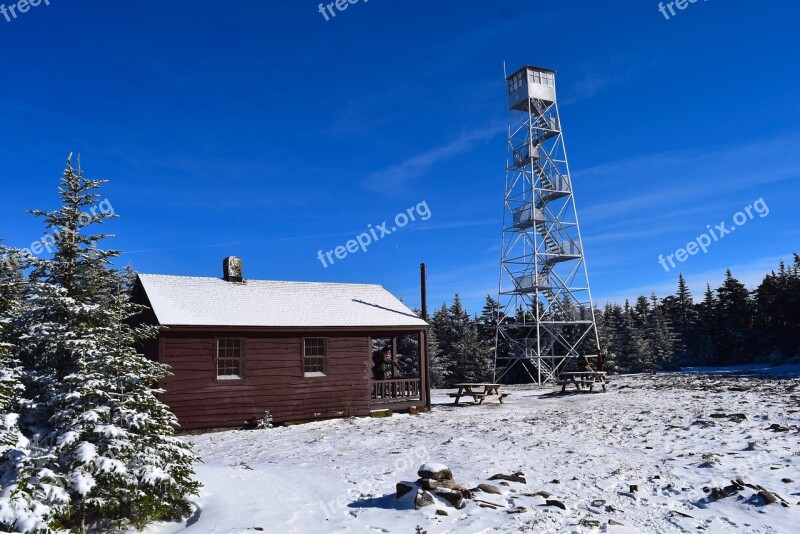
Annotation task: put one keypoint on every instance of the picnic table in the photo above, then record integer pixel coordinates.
(478, 392)
(582, 380)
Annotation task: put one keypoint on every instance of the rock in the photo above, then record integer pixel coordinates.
(718, 493)
(435, 472)
(589, 522)
(403, 488)
(488, 488)
(466, 493)
(555, 481)
(598, 503)
(768, 497)
(703, 424)
(544, 494)
(673, 513)
(778, 428)
(431, 484)
(517, 510)
(633, 488)
(423, 499)
(453, 497)
(737, 417)
(441, 512)
(614, 523)
(516, 477)
(557, 504)
(504, 483)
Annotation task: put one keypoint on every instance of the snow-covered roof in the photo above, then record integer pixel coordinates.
(197, 301)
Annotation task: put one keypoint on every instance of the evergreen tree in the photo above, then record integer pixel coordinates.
(661, 336)
(734, 315)
(32, 494)
(91, 406)
(777, 316)
(707, 316)
(439, 366)
(682, 315)
(469, 354)
(442, 337)
(11, 387)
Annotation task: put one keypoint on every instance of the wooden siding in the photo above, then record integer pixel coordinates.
(273, 379)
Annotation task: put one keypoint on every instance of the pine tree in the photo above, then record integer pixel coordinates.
(735, 316)
(11, 387)
(92, 408)
(777, 314)
(442, 337)
(708, 321)
(32, 498)
(439, 366)
(661, 336)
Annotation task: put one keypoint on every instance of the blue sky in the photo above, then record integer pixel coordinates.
(259, 129)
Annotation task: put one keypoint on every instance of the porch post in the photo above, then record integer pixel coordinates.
(424, 367)
(394, 357)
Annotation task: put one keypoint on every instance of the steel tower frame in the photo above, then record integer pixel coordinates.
(546, 316)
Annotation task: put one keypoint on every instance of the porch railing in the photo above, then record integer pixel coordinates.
(396, 390)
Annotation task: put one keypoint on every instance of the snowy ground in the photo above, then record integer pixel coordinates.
(675, 436)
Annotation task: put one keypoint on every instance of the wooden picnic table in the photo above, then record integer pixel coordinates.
(478, 392)
(582, 378)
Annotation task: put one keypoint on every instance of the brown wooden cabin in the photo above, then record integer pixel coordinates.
(300, 350)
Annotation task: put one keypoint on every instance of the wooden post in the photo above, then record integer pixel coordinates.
(423, 292)
(394, 357)
(423, 337)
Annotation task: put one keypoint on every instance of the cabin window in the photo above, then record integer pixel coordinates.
(315, 356)
(230, 359)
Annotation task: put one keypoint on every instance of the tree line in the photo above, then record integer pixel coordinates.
(730, 325)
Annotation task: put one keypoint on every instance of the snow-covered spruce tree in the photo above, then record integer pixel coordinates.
(110, 437)
(31, 494)
(10, 371)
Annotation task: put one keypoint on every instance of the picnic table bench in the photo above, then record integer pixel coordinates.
(478, 392)
(582, 380)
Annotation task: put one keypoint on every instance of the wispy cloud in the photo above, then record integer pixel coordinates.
(598, 78)
(414, 167)
(680, 178)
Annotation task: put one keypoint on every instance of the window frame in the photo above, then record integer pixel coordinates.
(323, 357)
(242, 359)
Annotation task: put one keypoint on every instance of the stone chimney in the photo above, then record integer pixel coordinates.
(232, 269)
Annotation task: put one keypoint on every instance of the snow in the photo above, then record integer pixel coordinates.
(82, 482)
(199, 301)
(86, 452)
(671, 435)
(433, 467)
